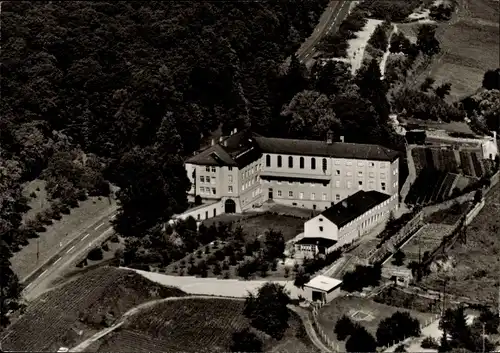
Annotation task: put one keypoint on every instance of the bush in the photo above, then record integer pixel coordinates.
(344, 328)
(114, 239)
(33, 195)
(361, 341)
(429, 342)
(105, 247)
(397, 327)
(95, 254)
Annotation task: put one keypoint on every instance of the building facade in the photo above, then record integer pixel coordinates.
(345, 222)
(245, 170)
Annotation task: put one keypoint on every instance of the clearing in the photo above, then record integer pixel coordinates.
(470, 46)
(78, 309)
(366, 312)
(187, 325)
(25, 260)
(475, 275)
(356, 49)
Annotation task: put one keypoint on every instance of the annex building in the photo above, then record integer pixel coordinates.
(345, 222)
(244, 170)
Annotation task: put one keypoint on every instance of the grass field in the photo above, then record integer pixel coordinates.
(367, 312)
(470, 44)
(255, 225)
(73, 312)
(25, 261)
(195, 325)
(478, 261)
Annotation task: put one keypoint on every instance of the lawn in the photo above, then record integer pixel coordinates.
(78, 309)
(367, 312)
(475, 275)
(470, 46)
(25, 261)
(255, 225)
(187, 325)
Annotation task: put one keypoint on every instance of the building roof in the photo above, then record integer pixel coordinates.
(323, 149)
(327, 243)
(323, 283)
(235, 150)
(353, 207)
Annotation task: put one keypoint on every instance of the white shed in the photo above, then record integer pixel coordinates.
(323, 289)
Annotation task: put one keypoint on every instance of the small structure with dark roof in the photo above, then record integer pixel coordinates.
(345, 222)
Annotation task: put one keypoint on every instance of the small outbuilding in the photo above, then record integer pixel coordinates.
(322, 289)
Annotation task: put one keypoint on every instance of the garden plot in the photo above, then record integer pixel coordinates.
(188, 325)
(427, 239)
(75, 311)
(363, 311)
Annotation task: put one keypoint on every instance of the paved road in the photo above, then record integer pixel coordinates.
(41, 279)
(329, 21)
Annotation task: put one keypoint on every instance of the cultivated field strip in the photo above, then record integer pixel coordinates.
(192, 324)
(54, 319)
(429, 238)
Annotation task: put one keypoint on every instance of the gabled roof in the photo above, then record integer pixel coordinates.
(323, 149)
(353, 207)
(235, 150)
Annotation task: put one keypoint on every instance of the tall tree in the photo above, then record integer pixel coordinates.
(361, 341)
(268, 310)
(426, 40)
(373, 88)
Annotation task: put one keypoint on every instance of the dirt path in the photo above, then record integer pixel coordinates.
(308, 325)
(85, 344)
(301, 312)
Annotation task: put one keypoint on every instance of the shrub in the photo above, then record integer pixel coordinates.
(33, 195)
(95, 254)
(226, 275)
(429, 342)
(105, 247)
(344, 328)
(199, 254)
(287, 272)
(114, 239)
(207, 250)
(225, 266)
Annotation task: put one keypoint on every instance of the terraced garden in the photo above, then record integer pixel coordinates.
(430, 186)
(72, 313)
(428, 239)
(188, 325)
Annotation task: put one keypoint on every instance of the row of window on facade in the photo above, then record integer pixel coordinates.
(312, 162)
(373, 210)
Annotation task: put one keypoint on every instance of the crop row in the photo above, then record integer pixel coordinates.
(47, 321)
(133, 341)
(192, 324)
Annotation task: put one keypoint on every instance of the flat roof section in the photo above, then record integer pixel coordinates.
(323, 283)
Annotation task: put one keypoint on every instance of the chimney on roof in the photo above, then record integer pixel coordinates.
(342, 139)
(329, 137)
(213, 142)
(221, 138)
(235, 130)
(344, 204)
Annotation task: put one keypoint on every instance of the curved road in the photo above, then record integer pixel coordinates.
(329, 21)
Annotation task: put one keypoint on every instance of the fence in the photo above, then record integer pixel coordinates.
(426, 323)
(407, 230)
(334, 346)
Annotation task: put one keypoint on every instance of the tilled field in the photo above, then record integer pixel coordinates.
(73, 312)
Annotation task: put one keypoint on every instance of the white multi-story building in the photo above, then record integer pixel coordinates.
(244, 170)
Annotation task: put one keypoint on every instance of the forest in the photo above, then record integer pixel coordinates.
(101, 93)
